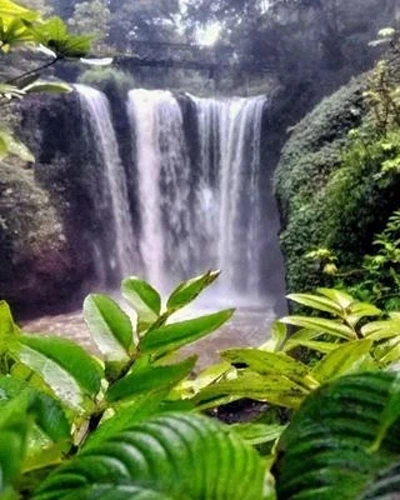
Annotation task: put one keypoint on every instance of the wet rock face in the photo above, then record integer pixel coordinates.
(36, 261)
(43, 241)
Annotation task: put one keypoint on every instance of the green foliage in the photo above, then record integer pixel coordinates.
(109, 80)
(165, 457)
(14, 427)
(330, 449)
(188, 291)
(345, 343)
(383, 93)
(349, 323)
(110, 327)
(77, 427)
(23, 27)
(94, 18)
(308, 159)
(378, 277)
(54, 35)
(335, 207)
(71, 397)
(380, 280)
(144, 299)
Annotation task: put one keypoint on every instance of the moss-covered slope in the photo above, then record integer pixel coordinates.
(328, 188)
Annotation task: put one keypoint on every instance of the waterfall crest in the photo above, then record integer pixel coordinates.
(97, 113)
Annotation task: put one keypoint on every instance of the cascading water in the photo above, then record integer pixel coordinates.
(230, 136)
(199, 197)
(164, 185)
(97, 112)
(178, 187)
(210, 218)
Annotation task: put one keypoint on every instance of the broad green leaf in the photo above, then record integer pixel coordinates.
(54, 35)
(8, 329)
(66, 368)
(324, 453)
(14, 427)
(256, 434)
(186, 292)
(390, 414)
(13, 146)
(23, 373)
(321, 325)
(61, 383)
(307, 338)
(322, 346)
(385, 487)
(344, 300)
(9, 10)
(273, 388)
(13, 33)
(208, 376)
(46, 457)
(317, 302)
(150, 378)
(48, 413)
(361, 310)
(53, 87)
(170, 457)
(110, 328)
(391, 354)
(348, 358)
(381, 330)
(269, 363)
(168, 338)
(278, 337)
(144, 299)
(138, 410)
(70, 357)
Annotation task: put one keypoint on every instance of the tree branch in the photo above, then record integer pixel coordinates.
(32, 71)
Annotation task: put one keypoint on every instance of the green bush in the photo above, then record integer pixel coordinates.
(108, 80)
(337, 185)
(76, 427)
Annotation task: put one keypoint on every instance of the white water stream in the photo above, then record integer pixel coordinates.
(98, 113)
(204, 215)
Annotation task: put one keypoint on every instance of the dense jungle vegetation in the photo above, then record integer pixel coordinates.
(135, 421)
(338, 182)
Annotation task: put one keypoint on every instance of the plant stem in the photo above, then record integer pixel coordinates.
(33, 71)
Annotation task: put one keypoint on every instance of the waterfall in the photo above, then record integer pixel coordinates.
(163, 184)
(97, 113)
(193, 180)
(230, 137)
(194, 217)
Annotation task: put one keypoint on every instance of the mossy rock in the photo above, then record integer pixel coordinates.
(327, 188)
(314, 148)
(36, 266)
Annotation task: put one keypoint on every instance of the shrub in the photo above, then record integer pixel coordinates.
(108, 80)
(337, 187)
(73, 426)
